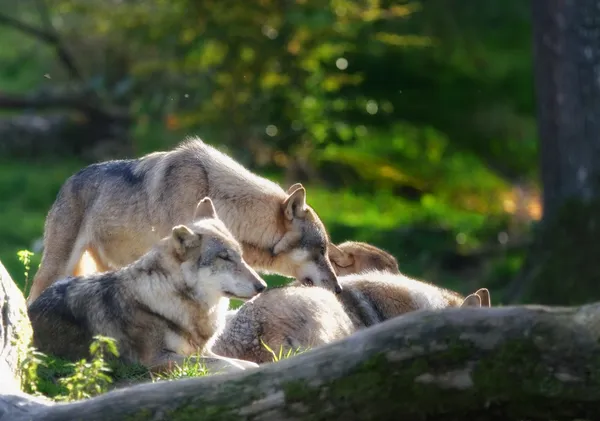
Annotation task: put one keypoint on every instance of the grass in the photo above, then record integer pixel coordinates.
(65, 381)
(281, 354)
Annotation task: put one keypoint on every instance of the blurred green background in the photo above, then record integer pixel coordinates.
(410, 123)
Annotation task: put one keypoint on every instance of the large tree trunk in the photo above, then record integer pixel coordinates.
(563, 266)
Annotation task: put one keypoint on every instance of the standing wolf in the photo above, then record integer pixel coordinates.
(296, 317)
(116, 210)
(166, 305)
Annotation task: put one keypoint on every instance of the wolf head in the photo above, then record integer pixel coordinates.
(305, 243)
(211, 258)
(356, 257)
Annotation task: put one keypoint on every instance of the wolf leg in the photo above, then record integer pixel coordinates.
(63, 246)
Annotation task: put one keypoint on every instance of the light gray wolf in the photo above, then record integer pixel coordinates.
(294, 317)
(116, 210)
(164, 306)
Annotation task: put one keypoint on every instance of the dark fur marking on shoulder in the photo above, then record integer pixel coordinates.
(93, 174)
(124, 169)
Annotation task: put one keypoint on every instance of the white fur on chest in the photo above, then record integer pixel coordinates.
(214, 323)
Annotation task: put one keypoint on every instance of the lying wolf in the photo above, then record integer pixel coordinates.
(166, 305)
(117, 210)
(356, 257)
(295, 317)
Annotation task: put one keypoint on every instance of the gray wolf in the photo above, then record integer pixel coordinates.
(295, 317)
(116, 210)
(164, 306)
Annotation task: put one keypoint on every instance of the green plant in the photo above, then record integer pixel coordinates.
(25, 258)
(90, 378)
(29, 370)
(281, 355)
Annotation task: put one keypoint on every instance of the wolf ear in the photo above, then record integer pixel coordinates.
(183, 239)
(294, 187)
(294, 206)
(484, 294)
(205, 209)
(472, 300)
(339, 256)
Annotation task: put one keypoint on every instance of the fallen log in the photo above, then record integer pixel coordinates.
(510, 363)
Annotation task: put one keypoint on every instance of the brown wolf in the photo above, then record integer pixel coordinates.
(295, 317)
(116, 210)
(356, 257)
(166, 305)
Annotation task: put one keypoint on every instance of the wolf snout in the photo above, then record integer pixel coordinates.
(259, 283)
(260, 287)
(338, 289)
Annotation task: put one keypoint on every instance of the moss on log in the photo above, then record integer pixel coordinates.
(500, 363)
(511, 363)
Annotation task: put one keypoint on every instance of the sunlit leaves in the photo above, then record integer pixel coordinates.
(253, 63)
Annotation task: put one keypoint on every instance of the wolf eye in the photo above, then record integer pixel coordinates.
(224, 255)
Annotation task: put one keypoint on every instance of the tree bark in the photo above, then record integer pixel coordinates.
(510, 363)
(15, 331)
(15, 338)
(563, 265)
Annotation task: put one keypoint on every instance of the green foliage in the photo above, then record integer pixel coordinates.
(29, 371)
(25, 258)
(27, 191)
(90, 378)
(66, 381)
(408, 121)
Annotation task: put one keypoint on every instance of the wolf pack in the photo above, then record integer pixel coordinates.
(174, 235)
